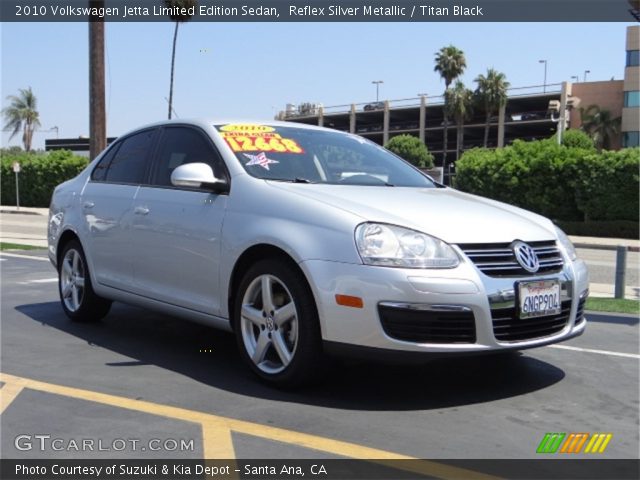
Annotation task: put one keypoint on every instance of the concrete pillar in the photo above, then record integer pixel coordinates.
(352, 119)
(385, 123)
(321, 116)
(501, 115)
(423, 117)
(562, 122)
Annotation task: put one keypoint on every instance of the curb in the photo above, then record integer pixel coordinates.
(21, 212)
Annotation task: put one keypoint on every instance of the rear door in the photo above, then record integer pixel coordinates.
(176, 230)
(107, 202)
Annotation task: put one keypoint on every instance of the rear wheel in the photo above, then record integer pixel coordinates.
(77, 297)
(276, 324)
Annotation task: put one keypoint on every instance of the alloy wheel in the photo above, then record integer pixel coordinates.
(269, 323)
(72, 278)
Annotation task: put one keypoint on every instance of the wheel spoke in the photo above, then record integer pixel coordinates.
(267, 293)
(80, 282)
(284, 314)
(66, 290)
(66, 266)
(75, 298)
(262, 345)
(253, 315)
(281, 348)
(76, 263)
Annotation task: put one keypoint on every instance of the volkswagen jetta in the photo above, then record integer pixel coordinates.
(305, 241)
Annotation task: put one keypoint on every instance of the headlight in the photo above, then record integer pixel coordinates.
(566, 244)
(391, 246)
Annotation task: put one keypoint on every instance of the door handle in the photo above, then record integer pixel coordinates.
(141, 210)
(88, 205)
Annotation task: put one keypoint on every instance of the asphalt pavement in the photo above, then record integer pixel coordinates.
(138, 376)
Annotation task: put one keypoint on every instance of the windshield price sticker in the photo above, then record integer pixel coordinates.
(539, 299)
(246, 128)
(260, 142)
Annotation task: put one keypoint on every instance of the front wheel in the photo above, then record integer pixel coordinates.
(77, 297)
(276, 325)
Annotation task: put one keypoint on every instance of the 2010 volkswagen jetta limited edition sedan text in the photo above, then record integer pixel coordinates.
(305, 241)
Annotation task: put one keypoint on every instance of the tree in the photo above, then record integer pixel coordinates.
(181, 16)
(492, 94)
(459, 101)
(577, 139)
(600, 126)
(411, 149)
(450, 64)
(22, 114)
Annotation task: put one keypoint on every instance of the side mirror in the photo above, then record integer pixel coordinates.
(198, 175)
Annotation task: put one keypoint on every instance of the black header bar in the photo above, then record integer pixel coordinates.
(327, 11)
(331, 469)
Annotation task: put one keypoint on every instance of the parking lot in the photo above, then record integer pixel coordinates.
(144, 385)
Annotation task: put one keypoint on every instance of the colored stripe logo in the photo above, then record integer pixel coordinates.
(557, 442)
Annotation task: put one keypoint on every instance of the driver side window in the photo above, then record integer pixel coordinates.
(182, 145)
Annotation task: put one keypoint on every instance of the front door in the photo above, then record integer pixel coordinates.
(177, 231)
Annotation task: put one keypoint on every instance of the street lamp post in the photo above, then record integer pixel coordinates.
(576, 77)
(544, 85)
(377, 83)
(585, 75)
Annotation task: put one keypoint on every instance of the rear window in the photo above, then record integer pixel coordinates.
(275, 152)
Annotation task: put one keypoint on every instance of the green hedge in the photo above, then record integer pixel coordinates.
(563, 183)
(412, 149)
(607, 186)
(603, 228)
(40, 173)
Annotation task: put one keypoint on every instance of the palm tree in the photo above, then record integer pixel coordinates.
(492, 94)
(178, 18)
(450, 63)
(600, 126)
(459, 101)
(21, 114)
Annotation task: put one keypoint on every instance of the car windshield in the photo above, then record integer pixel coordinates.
(274, 152)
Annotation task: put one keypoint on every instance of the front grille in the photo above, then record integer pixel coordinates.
(498, 259)
(507, 327)
(425, 326)
(580, 310)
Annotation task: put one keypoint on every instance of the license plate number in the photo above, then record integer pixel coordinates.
(539, 299)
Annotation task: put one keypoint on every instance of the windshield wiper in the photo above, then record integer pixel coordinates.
(301, 180)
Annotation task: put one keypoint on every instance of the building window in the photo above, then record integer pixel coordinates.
(633, 58)
(632, 99)
(630, 139)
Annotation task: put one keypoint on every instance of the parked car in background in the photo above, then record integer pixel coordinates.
(303, 242)
(496, 119)
(533, 116)
(374, 106)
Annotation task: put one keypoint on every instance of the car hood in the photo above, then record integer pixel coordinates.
(448, 214)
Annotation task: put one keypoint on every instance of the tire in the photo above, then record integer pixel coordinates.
(78, 300)
(279, 339)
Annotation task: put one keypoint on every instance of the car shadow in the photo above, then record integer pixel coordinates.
(210, 357)
(617, 319)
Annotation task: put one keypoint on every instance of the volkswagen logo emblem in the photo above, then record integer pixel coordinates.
(526, 257)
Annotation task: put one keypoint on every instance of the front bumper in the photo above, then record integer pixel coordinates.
(463, 297)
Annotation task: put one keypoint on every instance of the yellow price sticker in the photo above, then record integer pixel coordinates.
(251, 143)
(246, 128)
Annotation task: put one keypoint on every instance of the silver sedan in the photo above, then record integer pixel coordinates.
(305, 241)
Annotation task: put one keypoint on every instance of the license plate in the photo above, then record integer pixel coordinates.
(539, 299)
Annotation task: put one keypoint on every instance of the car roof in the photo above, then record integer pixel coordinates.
(207, 123)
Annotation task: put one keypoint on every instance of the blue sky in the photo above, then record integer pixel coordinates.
(251, 70)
